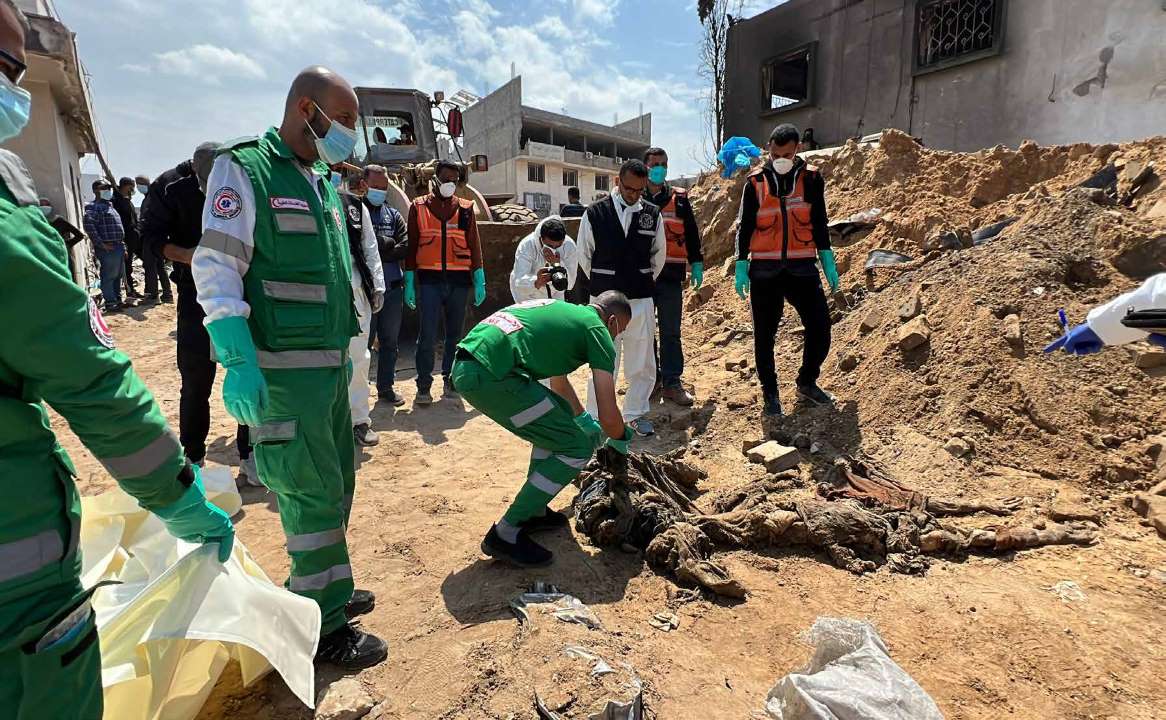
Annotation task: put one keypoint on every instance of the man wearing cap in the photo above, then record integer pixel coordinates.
(171, 227)
(103, 226)
(274, 275)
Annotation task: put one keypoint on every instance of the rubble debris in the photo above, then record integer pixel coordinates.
(608, 691)
(943, 240)
(1103, 179)
(700, 296)
(872, 320)
(850, 675)
(914, 334)
(1012, 332)
(1149, 359)
(664, 621)
(1151, 504)
(848, 362)
(1068, 591)
(547, 598)
(986, 233)
(775, 456)
(345, 699)
(957, 447)
(911, 307)
(649, 505)
(885, 258)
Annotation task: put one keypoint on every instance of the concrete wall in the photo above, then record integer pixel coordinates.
(493, 125)
(1037, 88)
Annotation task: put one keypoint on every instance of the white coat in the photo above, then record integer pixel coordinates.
(529, 259)
(1105, 320)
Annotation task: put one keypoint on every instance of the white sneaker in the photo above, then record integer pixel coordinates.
(249, 473)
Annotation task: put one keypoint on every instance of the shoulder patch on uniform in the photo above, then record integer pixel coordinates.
(286, 203)
(97, 325)
(337, 218)
(647, 222)
(504, 321)
(354, 213)
(227, 203)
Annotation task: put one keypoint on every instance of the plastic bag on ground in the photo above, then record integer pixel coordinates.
(851, 676)
(562, 606)
(179, 616)
(735, 154)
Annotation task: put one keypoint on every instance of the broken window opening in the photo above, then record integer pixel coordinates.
(787, 81)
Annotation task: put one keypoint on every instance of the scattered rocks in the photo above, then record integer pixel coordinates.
(1148, 360)
(747, 445)
(872, 321)
(1153, 508)
(345, 699)
(911, 307)
(848, 362)
(957, 447)
(914, 334)
(774, 456)
(700, 297)
(1012, 332)
(737, 362)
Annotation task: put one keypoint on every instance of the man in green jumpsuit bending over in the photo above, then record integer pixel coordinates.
(62, 354)
(497, 370)
(273, 274)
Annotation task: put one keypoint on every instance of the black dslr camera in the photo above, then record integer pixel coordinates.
(558, 277)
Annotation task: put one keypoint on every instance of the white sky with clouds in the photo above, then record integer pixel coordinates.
(169, 74)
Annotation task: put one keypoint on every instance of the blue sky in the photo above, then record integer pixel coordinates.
(169, 74)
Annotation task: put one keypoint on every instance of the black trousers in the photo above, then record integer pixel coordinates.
(198, 379)
(767, 298)
(155, 268)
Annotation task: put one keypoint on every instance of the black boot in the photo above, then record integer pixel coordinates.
(362, 603)
(524, 553)
(552, 520)
(350, 649)
(772, 406)
(815, 394)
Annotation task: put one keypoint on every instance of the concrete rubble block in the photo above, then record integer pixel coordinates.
(345, 699)
(957, 447)
(848, 362)
(700, 297)
(1012, 331)
(1149, 359)
(911, 307)
(914, 334)
(775, 457)
(747, 445)
(1153, 508)
(872, 320)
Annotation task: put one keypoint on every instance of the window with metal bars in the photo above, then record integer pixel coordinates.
(536, 173)
(953, 32)
(570, 178)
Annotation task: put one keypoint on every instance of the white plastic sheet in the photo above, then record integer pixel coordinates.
(850, 677)
(178, 616)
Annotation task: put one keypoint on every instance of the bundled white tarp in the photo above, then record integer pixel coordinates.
(178, 615)
(850, 677)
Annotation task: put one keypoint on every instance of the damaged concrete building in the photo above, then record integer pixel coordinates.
(959, 74)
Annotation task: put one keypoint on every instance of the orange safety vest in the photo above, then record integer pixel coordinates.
(435, 252)
(771, 240)
(674, 229)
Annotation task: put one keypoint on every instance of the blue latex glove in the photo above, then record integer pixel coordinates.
(1157, 339)
(410, 290)
(590, 426)
(621, 445)
(831, 270)
(194, 519)
(741, 278)
(244, 389)
(735, 154)
(1081, 340)
(479, 287)
(697, 275)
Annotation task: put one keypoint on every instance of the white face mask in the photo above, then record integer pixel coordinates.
(446, 190)
(783, 165)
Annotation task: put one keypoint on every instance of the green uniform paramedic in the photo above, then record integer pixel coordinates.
(62, 354)
(273, 273)
(497, 370)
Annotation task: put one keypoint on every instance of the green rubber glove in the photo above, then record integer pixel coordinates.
(697, 275)
(479, 287)
(590, 426)
(831, 270)
(194, 519)
(244, 389)
(410, 290)
(741, 278)
(621, 445)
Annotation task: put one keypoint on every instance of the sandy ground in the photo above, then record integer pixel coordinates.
(986, 638)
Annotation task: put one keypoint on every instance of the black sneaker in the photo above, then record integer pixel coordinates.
(362, 603)
(391, 397)
(551, 520)
(815, 395)
(447, 387)
(351, 649)
(113, 308)
(772, 406)
(167, 298)
(524, 553)
(151, 297)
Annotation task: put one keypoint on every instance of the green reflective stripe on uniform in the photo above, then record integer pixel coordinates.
(227, 244)
(302, 292)
(542, 482)
(27, 555)
(278, 430)
(295, 222)
(314, 541)
(532, 413)
(297, 359)
(144, 461)
(320, 580)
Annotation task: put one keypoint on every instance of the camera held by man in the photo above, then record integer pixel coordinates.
(545, 263)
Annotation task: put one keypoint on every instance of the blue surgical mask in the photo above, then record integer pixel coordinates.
(336, 180)
(15, 106)
(106, 194)
(337, 144)
(143, 189)
(376, 197)
(658, 174)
